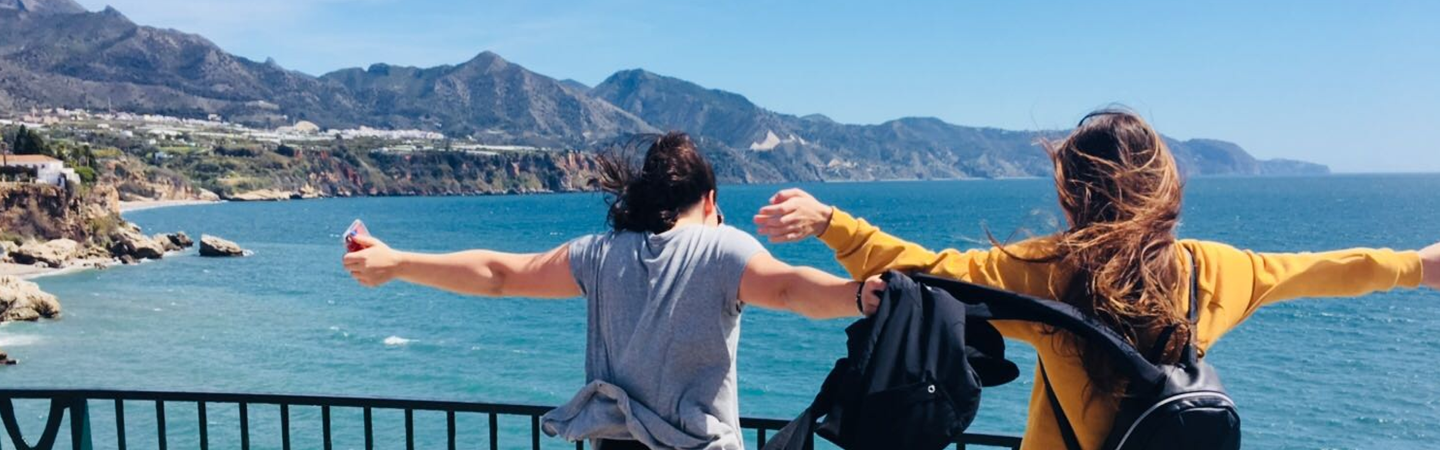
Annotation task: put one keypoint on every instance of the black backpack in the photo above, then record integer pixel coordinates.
(1180, 406)
(911, 378)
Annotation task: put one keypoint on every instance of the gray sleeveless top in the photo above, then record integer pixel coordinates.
(664, 322)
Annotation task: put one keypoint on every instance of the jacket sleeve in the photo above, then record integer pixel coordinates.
(865, 251)
(1344, 273)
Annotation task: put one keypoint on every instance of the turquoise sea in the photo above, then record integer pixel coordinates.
(1338, 373)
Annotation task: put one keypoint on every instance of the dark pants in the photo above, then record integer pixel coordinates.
(606, 444)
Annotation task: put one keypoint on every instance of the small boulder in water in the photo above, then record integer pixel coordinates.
(214, 246)
(174, 242)
(128, 241)
(24, 301)
(165, 243)
(180, 239)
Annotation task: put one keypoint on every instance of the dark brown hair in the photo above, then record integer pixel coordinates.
(673, 178)
(1121, 191)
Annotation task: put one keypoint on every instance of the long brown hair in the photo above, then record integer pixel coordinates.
(1121, 192)
(673, 177)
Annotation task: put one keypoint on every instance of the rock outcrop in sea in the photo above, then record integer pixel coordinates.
(214, 246)
(174, 242)
(127, 240)
(22, 300)
(263, 195)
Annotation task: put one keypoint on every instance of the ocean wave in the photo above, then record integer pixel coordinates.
(394, 341)
(18, 340)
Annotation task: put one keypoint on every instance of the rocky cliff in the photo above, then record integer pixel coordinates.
(262, 173)
(44, 212)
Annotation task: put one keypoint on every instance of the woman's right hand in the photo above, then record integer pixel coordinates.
(1430, 266)
(870, 293)
(375, 265)
(793, 215)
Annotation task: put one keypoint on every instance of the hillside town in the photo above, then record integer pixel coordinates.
(177, 132)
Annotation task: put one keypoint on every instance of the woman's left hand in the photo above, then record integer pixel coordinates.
(793, 215)
(1430, 266)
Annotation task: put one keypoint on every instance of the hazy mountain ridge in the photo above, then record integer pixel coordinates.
(916, 147)
(42, 6)
(52, 55)
(485, 96)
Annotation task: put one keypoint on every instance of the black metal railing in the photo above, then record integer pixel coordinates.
(77, 404)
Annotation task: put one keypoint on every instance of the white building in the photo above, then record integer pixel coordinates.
(47, 170)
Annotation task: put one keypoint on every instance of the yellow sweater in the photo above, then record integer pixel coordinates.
(1232, 283)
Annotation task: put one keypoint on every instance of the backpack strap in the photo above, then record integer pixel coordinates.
(1067, 432)
(1194, 289)
(995, 304)
(1190, 355)
(1162, 341)
(799, 434)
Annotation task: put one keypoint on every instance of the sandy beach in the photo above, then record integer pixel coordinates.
(152, 204)
(25, 271)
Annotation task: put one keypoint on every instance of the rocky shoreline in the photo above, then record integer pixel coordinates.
(51, 232)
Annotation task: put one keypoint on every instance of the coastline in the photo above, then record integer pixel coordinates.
(141, 205)
(30, 272)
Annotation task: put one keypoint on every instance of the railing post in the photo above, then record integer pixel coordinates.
(120, 423)
(160, 424)
(450, 430)
(535, 432)
(80, 424)
(369, 431)
(325, 421)
(409, 429)
(244, 426)
(204, 425)
(494, 433)
(285, 426)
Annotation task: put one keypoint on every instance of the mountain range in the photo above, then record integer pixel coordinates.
(54, 53)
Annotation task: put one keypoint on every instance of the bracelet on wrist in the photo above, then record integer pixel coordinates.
(859, 298)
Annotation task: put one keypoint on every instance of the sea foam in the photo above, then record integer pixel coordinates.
(18, 340)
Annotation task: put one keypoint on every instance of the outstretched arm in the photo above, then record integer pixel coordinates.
(863, 249)
(1344, 273)
(474, 272)
(770, 283)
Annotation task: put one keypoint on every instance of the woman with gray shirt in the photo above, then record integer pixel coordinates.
(664, 289)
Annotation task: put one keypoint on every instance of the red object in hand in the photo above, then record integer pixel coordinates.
(356, 229)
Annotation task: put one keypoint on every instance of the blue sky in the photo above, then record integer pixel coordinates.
(1352, 84)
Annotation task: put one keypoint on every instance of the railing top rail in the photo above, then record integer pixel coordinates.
(375, 402)
(279, 399)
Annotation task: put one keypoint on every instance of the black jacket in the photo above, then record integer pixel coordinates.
(912, 376)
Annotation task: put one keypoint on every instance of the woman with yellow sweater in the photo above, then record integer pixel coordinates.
(1119, 261)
